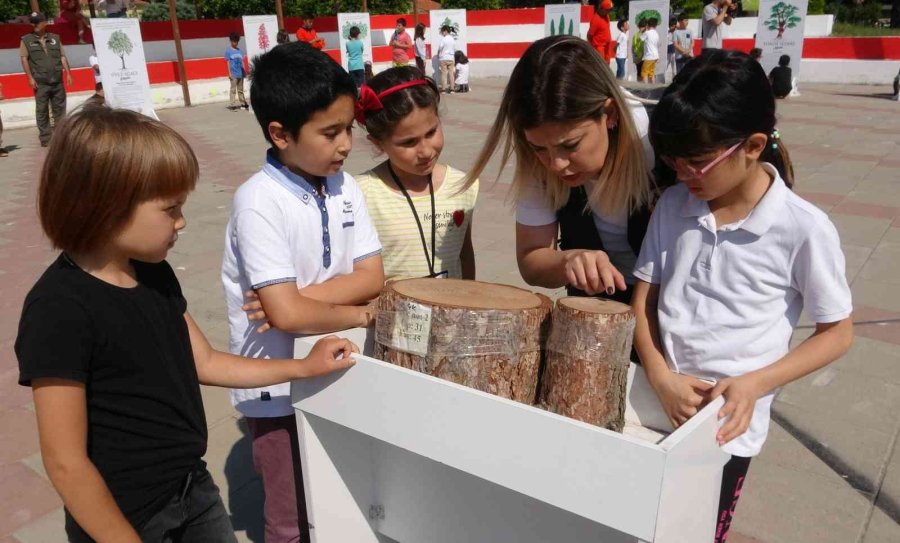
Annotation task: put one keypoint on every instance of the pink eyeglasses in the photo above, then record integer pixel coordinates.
(679, 164)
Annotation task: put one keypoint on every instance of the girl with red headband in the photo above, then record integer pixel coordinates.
(420, 207)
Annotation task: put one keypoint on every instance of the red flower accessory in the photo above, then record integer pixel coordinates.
(369, 100)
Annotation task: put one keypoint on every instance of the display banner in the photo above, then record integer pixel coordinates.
(456, 20)
(648, 9)
(346, 21)
(260, 35)
(123, 66)
(562, 20)
(780, 32)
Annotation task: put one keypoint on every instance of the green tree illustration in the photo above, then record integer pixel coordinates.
(562, 24)
(648, 14)
(454, 27)
(571, 27)
(120, 44)
(781, 17)
(552, 27)
(363, 29)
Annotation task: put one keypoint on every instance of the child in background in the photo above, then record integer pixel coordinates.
(780, 77)
(70, 13)
(637, 48)
(94, 63)
(306, 33)
(299, 237)
(421, 208)
(730, 259)
(447, 57)
(462, 72)
(684, 43)
(235, 59)
(105, 341)
(756, 54)
(355, 66)
(419, 43)
(282, 37)
(650, 39)
(670, 47)
(621, 48)
(400, 44)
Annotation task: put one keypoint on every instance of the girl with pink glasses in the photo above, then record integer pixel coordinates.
(730, 258)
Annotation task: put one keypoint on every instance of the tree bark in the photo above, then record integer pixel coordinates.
(481, 335)
(588, 355)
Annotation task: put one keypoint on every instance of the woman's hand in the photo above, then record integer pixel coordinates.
(255, 312)
(740, 394)
(592, 272)
(680, 395)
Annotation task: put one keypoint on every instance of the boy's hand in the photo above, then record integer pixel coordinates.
(367, 315)
(680, 395)
(592, 272)
(255, 311)
(329, 354)
(741, 394)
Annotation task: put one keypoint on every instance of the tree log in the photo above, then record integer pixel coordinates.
(476, 334)
(588, 354)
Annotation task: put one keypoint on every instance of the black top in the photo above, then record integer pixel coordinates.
(131, 348)
(780, 76)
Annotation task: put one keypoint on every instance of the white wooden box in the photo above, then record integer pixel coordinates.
(391, 454)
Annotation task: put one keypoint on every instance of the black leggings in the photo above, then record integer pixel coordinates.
(733, 475)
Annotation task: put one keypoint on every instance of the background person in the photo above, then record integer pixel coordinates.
(715, 14)
(43, 61)
(599, 34)
(401, 44)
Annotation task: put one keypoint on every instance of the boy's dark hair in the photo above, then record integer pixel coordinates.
(397, 105)
(282, 37)
(784, 60)
(682, 16)
(446, 28)
(621, 23)
(460, 58)
(354, 31)
(672, 21)
(401, 21)
(756, 53)
(719, 99)
(293, 81)
(652, 22)
(234, 37)
(642, 23)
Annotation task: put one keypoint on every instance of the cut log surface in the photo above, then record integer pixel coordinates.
(481, 335)
(588, 354)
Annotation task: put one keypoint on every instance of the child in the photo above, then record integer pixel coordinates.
(299, 236)
(780, 77)
(896, 86)
(419, 40)
(462, 72)
(421, 208)
(95, 66)
(3, 152)
(235, 59)
(637, 48)
(282, 37)
(306, 33)
(400, 44)
(670, 47)
(756, 54)
(105, 340)
(731, 257)
(355, 64)
(70, 13)
(447, 57)
(650, 39)
(621, 48)
(684, 43)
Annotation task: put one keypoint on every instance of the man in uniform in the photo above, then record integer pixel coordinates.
(44, 60)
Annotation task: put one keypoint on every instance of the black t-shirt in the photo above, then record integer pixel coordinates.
(781, 81)
(131, 348)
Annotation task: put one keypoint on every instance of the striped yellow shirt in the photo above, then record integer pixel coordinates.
(402, 250)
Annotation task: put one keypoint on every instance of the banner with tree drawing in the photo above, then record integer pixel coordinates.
(260, 34)
(646, 10)
(123, 66)
(562, 19)
(780, 32)
(346, 21)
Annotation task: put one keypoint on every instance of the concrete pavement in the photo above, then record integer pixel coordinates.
(831, 469)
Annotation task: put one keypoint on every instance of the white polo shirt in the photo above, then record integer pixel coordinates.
(281, 230)
(730, 296)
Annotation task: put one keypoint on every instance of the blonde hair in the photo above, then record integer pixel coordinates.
(563, 79)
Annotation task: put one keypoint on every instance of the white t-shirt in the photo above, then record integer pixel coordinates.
(622, 45)
(711, 32)
(532, 209)
(280, 230)
(420, 48)
(448, 48)
(650, 37)
(92, 61)
(730, 296)
(114, 7)
(462, 74)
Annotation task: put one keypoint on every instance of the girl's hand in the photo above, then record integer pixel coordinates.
(255, 311)
(329, 354)
(680, 395)
(592, 272)
(741, 394)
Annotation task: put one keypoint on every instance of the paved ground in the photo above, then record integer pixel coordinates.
(831, 469)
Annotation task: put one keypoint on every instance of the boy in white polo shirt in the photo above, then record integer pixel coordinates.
(730, 259)
(299, 236)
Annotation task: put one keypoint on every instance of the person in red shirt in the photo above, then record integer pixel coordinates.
(599, 34)
(70, 13)
(308, 34)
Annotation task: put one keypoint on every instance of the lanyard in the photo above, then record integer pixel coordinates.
(412, 208)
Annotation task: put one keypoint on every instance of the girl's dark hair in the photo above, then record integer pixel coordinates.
(719, 99)
(784, 60)
(354, 31)
(420, 31)
(460, 58)
(397, 105)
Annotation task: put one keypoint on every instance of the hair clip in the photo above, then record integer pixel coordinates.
(776, 136)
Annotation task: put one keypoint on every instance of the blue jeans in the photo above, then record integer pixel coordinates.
(620, 68)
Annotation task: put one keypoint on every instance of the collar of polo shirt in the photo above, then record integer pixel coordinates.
(282, 173)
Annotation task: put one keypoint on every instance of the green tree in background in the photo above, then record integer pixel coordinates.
(159, 11)
(10, 9)
(477, 4)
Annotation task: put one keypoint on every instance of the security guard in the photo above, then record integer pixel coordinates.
(43, 60)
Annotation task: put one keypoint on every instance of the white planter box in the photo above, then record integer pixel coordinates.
(390, 454)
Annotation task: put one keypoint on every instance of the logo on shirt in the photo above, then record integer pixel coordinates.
(458, 217)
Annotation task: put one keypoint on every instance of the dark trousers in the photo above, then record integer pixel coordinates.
(358, 76)
(620, 68)
(420, 64)
(680, 63)
(195, 515)
(733, 475)
(49, 96)
(638, 66)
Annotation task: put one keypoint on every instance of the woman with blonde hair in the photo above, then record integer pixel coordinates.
(581, 184)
